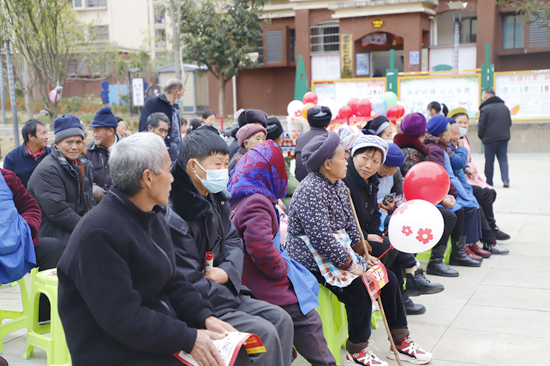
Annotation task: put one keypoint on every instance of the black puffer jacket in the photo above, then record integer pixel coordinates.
(63, 198)
(99, 157)
(494, 121)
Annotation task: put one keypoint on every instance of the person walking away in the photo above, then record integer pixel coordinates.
(62, 183)
(104, 127)
(25, 158)
(494, 131)
(167, 103)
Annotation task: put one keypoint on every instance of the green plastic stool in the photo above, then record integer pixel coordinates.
(55, 345)
(335, 321)
(19, 318)
(427, 254)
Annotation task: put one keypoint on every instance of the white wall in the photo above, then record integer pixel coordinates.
(444, 55)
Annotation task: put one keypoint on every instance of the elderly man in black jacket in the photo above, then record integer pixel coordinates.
(199, 222)
(167, 103)
(494, 131)
(62, 182)
(121, 299)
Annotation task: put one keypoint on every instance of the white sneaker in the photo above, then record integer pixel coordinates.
(411, 352)
(364, 358)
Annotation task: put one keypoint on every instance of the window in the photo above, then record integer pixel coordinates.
(82, 69)
(97, 3)
(160, 16)
(513, 32)
(325, 37)
(539, 32)
(274, 46)
(292, 45)
(258, 53)
(468, 30)
(77, 3)
(99, 33)
(160, 38)
(71, 66)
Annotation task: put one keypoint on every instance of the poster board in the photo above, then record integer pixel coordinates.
(343, 90)
(138, 95)
(416, 92)
(525, 93)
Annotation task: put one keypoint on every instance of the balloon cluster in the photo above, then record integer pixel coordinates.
(385, 105)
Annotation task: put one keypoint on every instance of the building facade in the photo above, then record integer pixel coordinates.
(362, 33)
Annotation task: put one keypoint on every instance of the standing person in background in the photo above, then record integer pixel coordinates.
(208, 118)
(62, 182)
(434, 108)
(318, 118)
(246, 117)
(494, 131)
(167, 103)
(158, 123)
(121, 129)
(104, 126)
(25, 158)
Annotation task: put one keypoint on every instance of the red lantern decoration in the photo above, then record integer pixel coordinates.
(426, 181)
(310, 97)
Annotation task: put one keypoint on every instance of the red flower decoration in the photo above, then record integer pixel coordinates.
(424, 236)
(406, 230)
(401, 209)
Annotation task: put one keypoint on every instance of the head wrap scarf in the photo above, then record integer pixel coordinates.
(261, 170)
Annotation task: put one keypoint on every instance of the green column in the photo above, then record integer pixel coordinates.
(487, 70)
(300, 86)
(391, 74)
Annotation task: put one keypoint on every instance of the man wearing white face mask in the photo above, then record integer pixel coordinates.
(167, 103)
(199, 219)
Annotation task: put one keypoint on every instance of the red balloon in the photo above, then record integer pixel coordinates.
(353, 104)
(345, 112)
(401, 110)
(310, 97)
(426, 181)
(364, 107)
(393, 113)
(373, 114)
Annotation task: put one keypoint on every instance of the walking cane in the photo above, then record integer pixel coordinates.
(395, 352)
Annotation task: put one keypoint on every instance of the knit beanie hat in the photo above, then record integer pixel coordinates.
(414, 124)
(371, 141)
(251, 116)
(66, 126)
(247, 131)
(456, 111)
(347, 135)
(104, 118)
(318, 150)
(319, 116)
(376, 126)
(437, 124)
(274, 128)
(395, 156)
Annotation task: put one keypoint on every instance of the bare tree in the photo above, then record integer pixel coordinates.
(175, 16)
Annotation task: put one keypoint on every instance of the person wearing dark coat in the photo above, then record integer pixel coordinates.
(199, 220)
(62, 182)
(494, 131)
(167, 103)
(411, 141)
(245, 117)
(318, 118)
(121, 299)
(25, 158)
(104, 127)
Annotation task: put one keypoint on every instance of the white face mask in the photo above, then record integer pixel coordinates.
(216, 180)
(463, 131)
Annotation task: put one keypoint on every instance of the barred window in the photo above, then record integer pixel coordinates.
(325, 37)
(97, 3)
(99, 33)
(71, 66)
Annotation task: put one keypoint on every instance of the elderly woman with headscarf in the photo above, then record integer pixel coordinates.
(248, 136)
(322, 229)
(259, 180)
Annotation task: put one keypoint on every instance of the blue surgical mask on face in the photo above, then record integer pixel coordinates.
(216, 180)
(179, 101)
(463, 131)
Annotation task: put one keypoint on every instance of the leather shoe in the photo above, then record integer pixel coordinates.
(441, 269)
(506, 184)
(480, 252)
(471, 254)
(420, 285)
(495, 248)
(500, 235)
(412, 308)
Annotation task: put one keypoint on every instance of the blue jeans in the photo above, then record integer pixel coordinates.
(500, 149)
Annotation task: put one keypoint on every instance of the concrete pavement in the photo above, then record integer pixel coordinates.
(494, 315)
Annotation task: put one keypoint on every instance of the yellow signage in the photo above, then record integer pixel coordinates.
(346, 56)
(377, 23)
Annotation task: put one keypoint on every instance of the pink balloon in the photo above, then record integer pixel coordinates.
(54, 96)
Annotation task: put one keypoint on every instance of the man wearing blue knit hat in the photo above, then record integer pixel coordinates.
(104, 127)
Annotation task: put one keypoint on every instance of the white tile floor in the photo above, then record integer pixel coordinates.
(494, 315)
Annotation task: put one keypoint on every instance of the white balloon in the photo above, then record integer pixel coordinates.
(294, 108)
(331, 104)
(416, 226)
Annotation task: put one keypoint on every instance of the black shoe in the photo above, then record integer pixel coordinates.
(500, 235)
(506, 184)
(459, 256)
(412, 308)
(495, 248)
(419, 285)
(441, 269)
